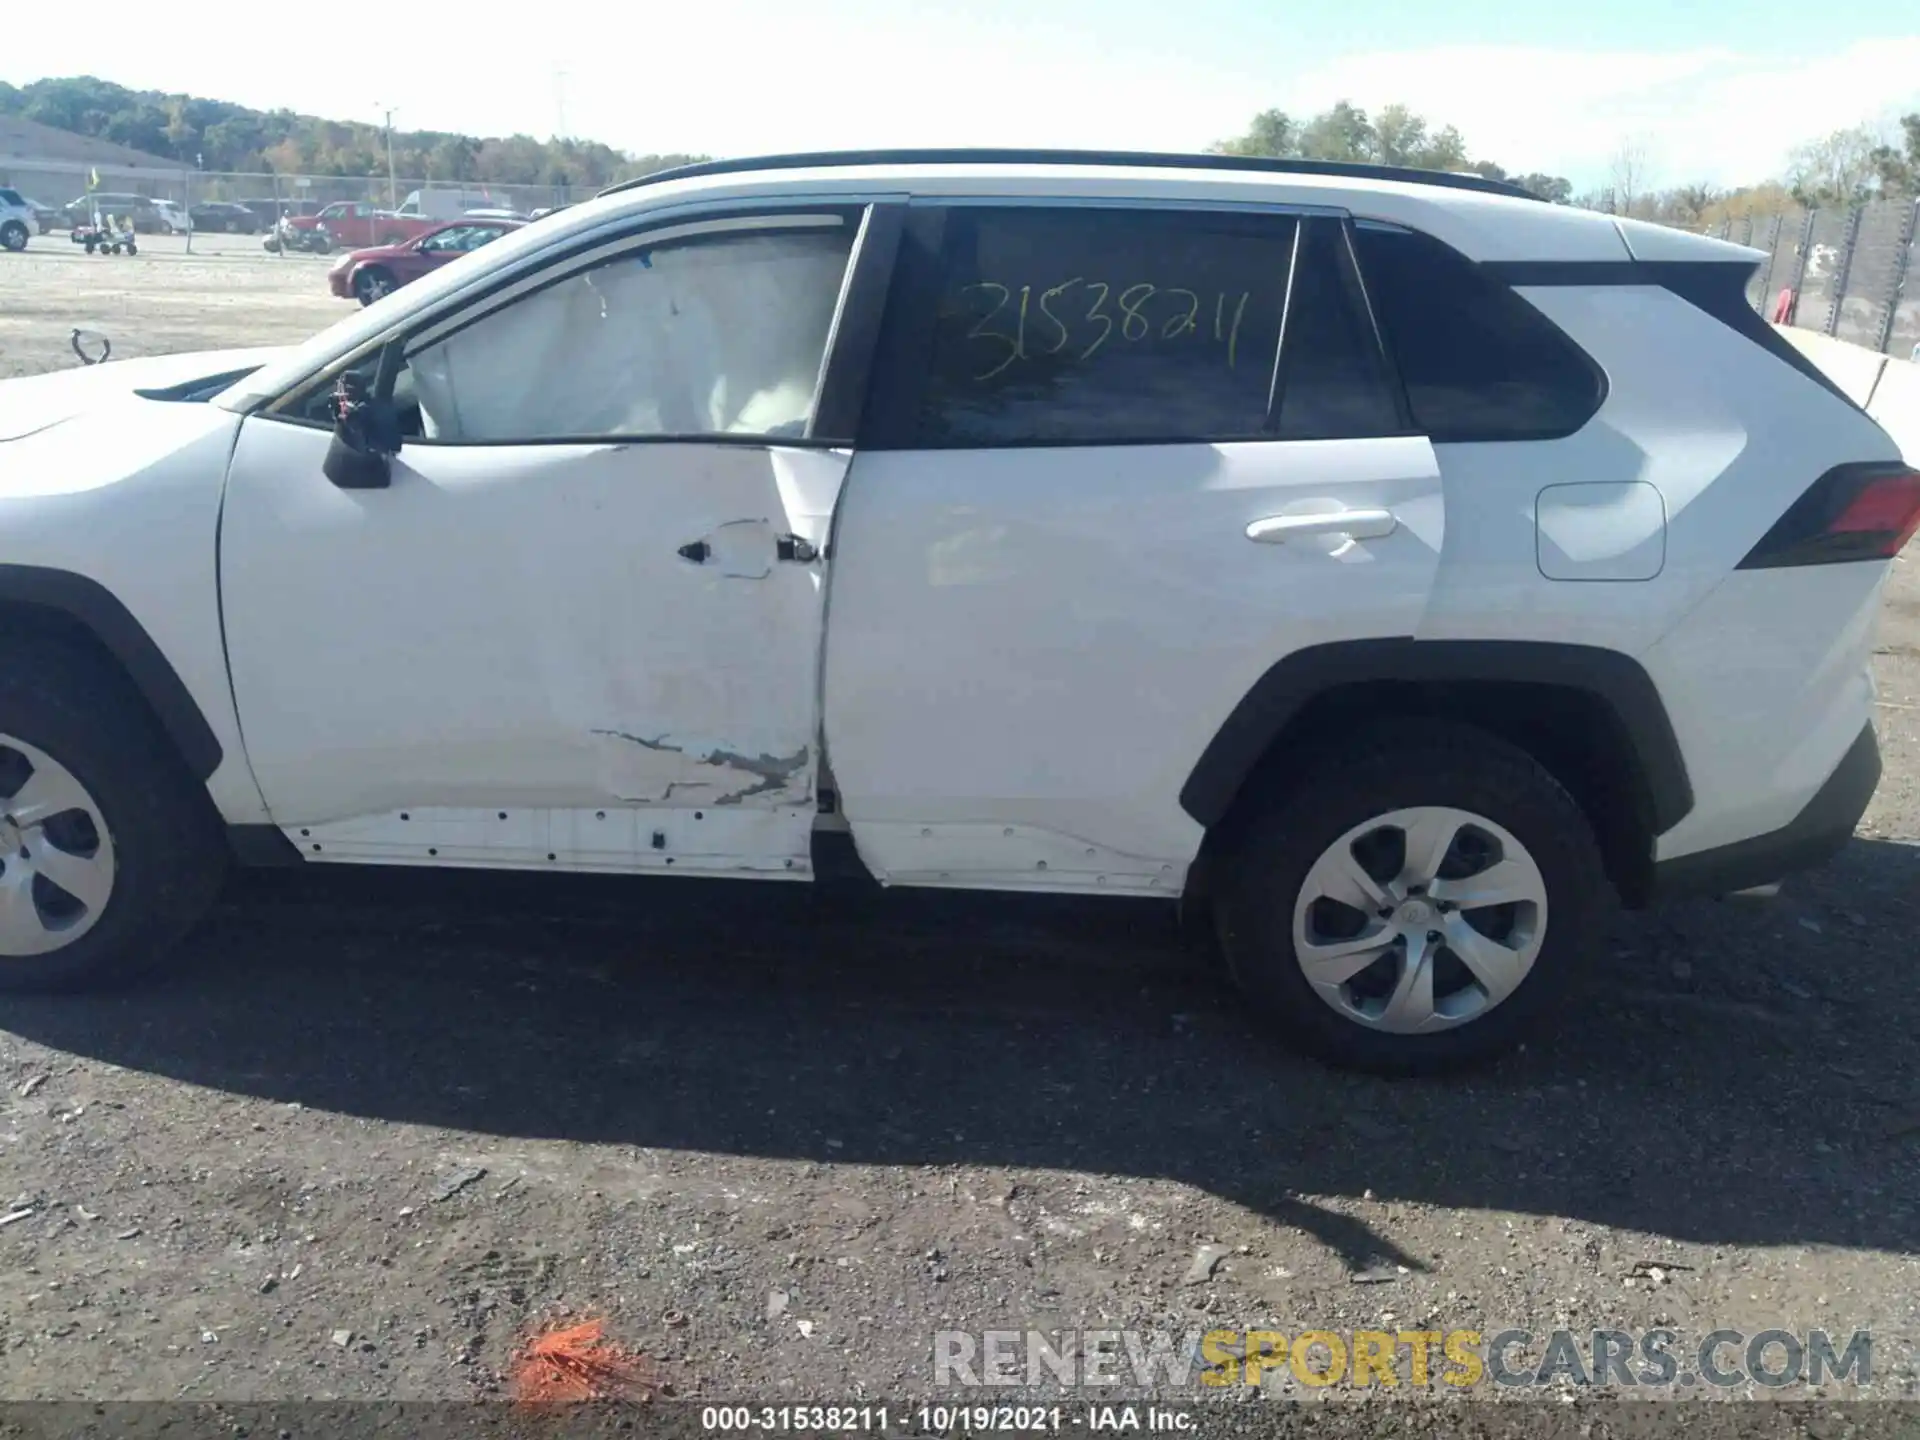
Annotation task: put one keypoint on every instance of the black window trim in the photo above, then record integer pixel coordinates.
(1360, 304)
(1276, 380)
(1355, 281)
(902, 355)
(469, 309)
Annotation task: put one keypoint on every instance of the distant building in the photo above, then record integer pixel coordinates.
(52, 166)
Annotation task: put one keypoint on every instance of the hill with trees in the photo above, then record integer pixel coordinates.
(217, 135)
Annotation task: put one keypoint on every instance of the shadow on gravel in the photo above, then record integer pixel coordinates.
(1732, 1073)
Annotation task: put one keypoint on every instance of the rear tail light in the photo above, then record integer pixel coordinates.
(1853, 512)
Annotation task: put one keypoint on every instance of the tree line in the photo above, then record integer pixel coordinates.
(1848, 167)
(202, 134)
(1394, 136)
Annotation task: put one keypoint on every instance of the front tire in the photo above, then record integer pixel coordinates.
(13, 236)
(109, 851)
(1416, 905)
(372, 283)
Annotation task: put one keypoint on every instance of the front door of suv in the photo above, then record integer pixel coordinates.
(582, 625)
(1118, 463)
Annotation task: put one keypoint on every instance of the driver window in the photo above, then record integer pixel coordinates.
(718, 334)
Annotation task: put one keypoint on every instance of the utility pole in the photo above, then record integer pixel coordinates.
(393, 197)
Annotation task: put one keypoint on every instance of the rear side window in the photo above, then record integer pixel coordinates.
(1105, 326)
(1093, 325)
(11, 197)
(1478, 362)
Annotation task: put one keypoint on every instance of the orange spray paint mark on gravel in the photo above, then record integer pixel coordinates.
(577, 1362)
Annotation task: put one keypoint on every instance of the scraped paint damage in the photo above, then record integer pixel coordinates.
(726, 777)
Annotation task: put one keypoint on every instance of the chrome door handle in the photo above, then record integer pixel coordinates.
(1355, 524)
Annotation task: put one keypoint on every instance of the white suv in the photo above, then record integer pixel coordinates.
(1398, 564)
(18, 222)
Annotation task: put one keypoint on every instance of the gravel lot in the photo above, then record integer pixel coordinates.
(227, 292)
(381, 1123)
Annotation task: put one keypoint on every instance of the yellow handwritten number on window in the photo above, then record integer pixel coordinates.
(1134, 322)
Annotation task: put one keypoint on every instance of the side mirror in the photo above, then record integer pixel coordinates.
(366, 437)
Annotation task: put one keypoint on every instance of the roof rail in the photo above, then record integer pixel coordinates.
(1134, 159)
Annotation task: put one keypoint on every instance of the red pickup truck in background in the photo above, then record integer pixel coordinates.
(347, 225)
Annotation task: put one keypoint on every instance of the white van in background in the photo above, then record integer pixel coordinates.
(449, 204)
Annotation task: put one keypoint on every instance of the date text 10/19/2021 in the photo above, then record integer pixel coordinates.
(945, 1419)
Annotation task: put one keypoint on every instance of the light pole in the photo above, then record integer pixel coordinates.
(393, 198)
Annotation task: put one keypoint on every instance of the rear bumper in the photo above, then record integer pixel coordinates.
(1811, 838)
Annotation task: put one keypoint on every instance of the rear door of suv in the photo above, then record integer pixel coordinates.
(1118, 460)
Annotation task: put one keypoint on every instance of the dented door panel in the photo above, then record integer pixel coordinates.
(518, 626)
(1030, 648)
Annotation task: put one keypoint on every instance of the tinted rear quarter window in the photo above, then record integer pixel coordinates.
(1478, 362)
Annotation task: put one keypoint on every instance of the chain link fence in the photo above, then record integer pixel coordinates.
(307, 194)
(273, 195)
(1853, 274)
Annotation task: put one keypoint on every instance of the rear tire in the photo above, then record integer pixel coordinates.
(1402, 837)
(92, 796)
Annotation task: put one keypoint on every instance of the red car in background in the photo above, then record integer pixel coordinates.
(366, 275)
(347, 225)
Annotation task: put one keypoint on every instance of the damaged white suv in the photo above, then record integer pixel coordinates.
(1403, 565)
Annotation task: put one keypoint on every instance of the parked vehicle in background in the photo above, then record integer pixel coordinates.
(18, 222)
(228, 217)
(448, 204)
(271, 212)
(367, 275)
(352, 225)
(140, 210)
(173, 218)
(47, 218)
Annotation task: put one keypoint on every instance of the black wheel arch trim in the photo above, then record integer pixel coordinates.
(99, 612)
(1277, 697)
(262, 846)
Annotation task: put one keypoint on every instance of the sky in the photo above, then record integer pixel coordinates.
(1713, 90)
